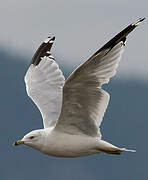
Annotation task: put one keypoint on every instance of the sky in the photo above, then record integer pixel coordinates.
(81, 27)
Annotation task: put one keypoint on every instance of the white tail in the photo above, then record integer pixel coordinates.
(128, 150)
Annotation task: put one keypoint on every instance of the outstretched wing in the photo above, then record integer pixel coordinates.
(84, 101)
(44, 83)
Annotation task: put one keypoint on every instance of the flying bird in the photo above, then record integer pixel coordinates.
(73, 109)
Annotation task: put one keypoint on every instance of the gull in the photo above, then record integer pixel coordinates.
(73, 109)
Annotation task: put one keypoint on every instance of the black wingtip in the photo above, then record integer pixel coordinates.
(43, 50)
(121, 36)
(136, 23)
(142, 19)
(49, 40)
(53, 38)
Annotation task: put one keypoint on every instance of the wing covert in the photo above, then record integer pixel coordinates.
(84, 101)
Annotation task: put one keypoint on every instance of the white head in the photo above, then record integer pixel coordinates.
(33, 139)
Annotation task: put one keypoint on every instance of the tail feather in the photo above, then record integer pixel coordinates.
(118, 151)
(111, 149)
(127, 150)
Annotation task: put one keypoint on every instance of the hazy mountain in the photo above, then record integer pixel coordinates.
(125, 124)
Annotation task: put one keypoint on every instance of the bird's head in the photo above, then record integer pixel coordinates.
(33, 139)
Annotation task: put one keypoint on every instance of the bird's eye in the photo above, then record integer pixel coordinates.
(31, 137)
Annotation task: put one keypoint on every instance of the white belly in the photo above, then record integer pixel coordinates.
(66, 145)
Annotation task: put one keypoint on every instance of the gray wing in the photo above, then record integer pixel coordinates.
(44, 83)
(84, 100)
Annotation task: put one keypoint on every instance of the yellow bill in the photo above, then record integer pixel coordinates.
(18, 142)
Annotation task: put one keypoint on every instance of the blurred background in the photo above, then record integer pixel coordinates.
(81, 27)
